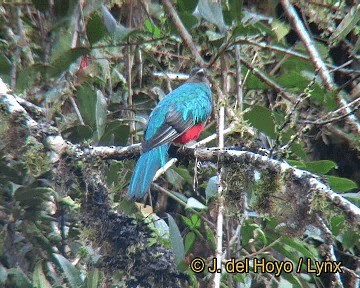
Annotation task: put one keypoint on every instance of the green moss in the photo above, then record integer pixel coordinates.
(36, 159)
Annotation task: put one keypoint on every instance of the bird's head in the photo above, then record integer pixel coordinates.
(199, 75)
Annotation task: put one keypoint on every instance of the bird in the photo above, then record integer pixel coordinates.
(179, 117)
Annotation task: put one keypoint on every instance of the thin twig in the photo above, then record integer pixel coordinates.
(330, 248)
(263, 77)
(318, 62)
(309, 44)
(322, 121)
(184, 34)
(220, 197)
(183, 203)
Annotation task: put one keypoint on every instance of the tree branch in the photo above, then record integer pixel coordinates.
(169, 9)
(318, 62)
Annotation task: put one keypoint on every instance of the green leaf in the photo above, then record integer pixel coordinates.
(320, 167)
(39, 278)
(176, 240)
(350, 239)
(236, 7)
(78, 133)
(71, 273)
(28, 76)
(152, 28)
(41, 5)
(33, 197)
(18, 278)
(95, 28)
(346, 25)
(109, 20)
(211, 188)
(101, 114)
(337, 224)
(5, 65)
(189, 241)
(261, 118)
(187, 5)
(296, 164)
(212, 12)
(340, 184)
(63, 62)
(280, 28)
(115, 134)
(184, 173)
(3, 270)
(188, 20)
(117, 30)
(94, 278)
(194, 204)
(86, 100)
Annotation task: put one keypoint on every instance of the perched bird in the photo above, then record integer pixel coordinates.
(179, 117)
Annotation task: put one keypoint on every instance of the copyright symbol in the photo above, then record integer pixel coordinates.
(197, 265)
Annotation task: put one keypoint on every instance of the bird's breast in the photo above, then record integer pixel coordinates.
(192, 134)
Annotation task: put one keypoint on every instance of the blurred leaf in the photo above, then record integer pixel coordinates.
(340, 184)
(349, 22)
(39, 278)
(180, 196)
(337, 224)
(236, 7)
(351, 239)
(152, 28)
(115, 134)
(189, 241)
(63, 8)
(280, 28)
(194, 204)
(28, 76)
(174, 178)
(86, 100)
(320, 167)
(211, 188)
(353, 197)
(213, 36)
(94, 278)
(18, 278)
(117, 30)
(95, 28)
(33, 197)
(101, 114)
(212, 12)
(3, 271)
(210, 237)
(77, 134)
(188, 20)
(41, 5)
(109, 20)
(5, 65)
(261, 118)
(63, 62)
(252, 82)
(184, 173)
(161, 226)
(71, 273)
(176, 240)
(187, 5)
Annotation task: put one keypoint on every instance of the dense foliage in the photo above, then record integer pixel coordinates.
(90, 72)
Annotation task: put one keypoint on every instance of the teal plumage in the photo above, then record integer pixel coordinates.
(176, 114)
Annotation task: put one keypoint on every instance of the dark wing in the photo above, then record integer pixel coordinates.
(173, 127)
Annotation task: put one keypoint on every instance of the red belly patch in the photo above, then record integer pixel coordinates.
(192, 134)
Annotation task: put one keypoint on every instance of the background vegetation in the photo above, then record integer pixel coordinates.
(84, 76)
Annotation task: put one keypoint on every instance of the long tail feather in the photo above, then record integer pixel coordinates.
(145, 171)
